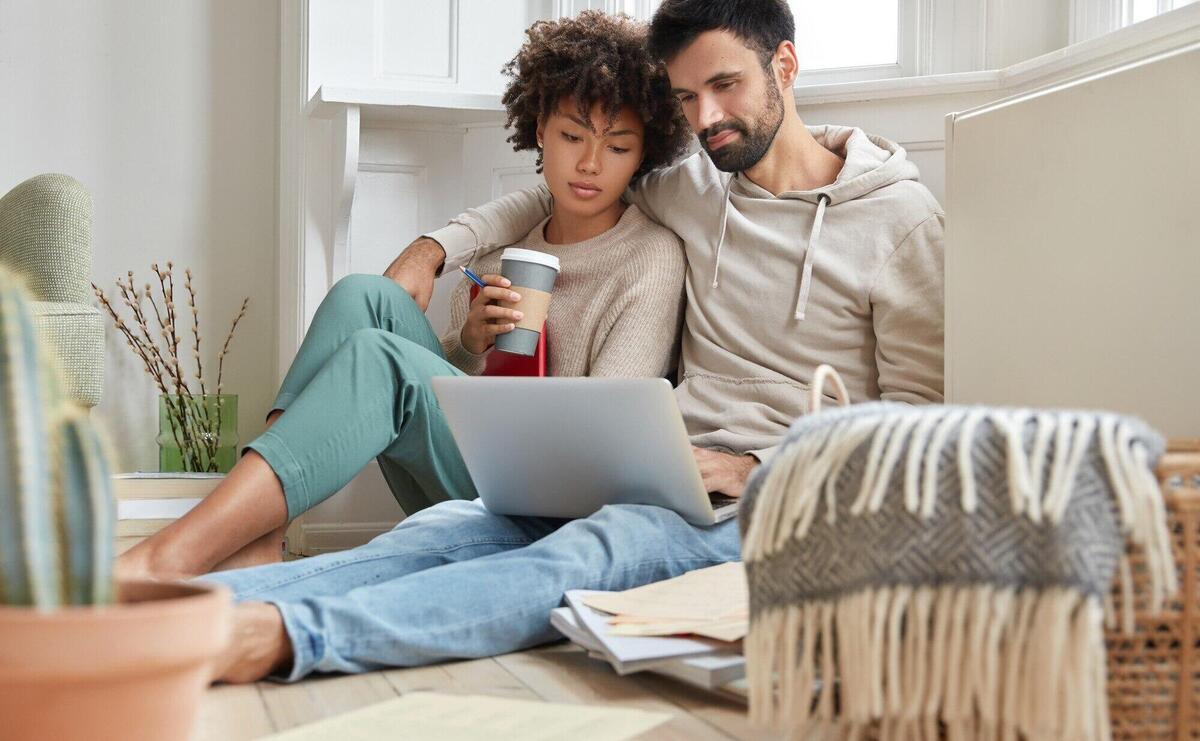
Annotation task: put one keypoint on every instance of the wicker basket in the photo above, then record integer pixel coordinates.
(1153, 673)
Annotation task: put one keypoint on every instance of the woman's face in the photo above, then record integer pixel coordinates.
(587, 164)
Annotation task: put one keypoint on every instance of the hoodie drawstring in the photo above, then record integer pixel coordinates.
(806, 273)
(721, 238)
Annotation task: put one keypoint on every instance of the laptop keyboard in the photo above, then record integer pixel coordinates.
(717, 499)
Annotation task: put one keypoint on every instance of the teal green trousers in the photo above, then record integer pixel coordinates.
(359, 389)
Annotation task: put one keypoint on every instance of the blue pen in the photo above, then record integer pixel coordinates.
(474, 278)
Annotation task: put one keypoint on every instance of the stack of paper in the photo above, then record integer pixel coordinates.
(721, 670)
(712, 602)
(688, 627)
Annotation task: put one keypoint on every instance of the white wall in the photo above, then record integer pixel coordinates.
(166, 111)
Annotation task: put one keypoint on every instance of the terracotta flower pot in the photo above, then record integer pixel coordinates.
(133, 670)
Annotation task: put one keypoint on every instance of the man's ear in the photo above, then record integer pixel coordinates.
(787, 62)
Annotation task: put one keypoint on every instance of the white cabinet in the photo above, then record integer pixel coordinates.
(428, 45)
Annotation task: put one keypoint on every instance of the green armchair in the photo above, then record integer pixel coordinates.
(46, 238)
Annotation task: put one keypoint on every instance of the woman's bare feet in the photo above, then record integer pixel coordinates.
(241, 523)
(265, 550)
(258, 646)
(238, 520)
(141, 562)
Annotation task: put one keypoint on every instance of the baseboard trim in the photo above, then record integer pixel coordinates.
(318, 538)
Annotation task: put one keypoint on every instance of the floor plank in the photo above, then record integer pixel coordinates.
(561, 673)
(478, 677)
(232, 712)
(566, 674)
(728, 715)
(291, 705)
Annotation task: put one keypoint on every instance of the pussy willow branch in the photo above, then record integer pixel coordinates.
(182, 401)
(204, 410)
(221, 357)
(195, 410)
(141, 351)
(190, 418)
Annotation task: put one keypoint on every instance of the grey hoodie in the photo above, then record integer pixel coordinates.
(849, 274)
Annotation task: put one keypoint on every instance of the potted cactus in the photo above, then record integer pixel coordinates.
(81, 656)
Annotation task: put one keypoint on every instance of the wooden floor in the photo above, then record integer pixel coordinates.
(560, 673)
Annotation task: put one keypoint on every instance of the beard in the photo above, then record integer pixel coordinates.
(755, 139)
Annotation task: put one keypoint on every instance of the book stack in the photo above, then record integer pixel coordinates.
(148, 502)
(689, 628)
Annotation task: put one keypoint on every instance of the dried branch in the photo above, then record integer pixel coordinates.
(195, 328)
(228, 337)
(191, 420)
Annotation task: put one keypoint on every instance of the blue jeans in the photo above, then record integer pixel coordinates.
(454, 581)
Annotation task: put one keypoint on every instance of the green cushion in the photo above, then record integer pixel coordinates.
(75, 334)
(46, 237)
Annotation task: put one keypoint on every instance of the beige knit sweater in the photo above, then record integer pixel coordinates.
(617, 304)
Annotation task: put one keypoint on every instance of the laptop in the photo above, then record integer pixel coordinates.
(565, 447)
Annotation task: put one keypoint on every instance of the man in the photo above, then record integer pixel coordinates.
(805, 246)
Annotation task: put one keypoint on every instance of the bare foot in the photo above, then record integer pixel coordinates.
(245, 506)
(140, 562)
(259, 645)
(267, 549)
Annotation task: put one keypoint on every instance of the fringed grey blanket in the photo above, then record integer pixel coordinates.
(915, 565)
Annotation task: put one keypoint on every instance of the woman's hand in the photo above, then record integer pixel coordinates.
(486, 320)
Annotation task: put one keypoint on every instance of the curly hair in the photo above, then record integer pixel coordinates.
(594, 58)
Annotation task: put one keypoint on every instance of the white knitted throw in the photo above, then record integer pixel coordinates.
(920, 570)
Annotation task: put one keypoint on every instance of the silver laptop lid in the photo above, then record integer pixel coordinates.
(565, 447)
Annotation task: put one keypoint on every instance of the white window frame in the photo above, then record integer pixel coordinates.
(1092, 18)
(642, 10)
(908, 46)
(918, 35)
(1164, 6)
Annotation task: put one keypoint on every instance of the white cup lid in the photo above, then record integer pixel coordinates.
(539, 258)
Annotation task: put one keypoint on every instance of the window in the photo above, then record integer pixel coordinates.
(855, 39)
(1134, 11)
(837, 41)
(849, 33)
(1093, 18)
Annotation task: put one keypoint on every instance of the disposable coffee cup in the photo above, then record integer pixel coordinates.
(532, 274)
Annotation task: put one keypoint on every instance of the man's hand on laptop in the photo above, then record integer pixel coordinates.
(724, 472)
(416, 267)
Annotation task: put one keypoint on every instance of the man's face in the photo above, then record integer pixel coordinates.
(730, 101)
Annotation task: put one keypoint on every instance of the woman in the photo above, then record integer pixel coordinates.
(586, 95)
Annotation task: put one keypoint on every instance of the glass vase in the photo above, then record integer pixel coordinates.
(197, 433)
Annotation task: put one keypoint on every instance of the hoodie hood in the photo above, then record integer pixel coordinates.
(871, 162)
